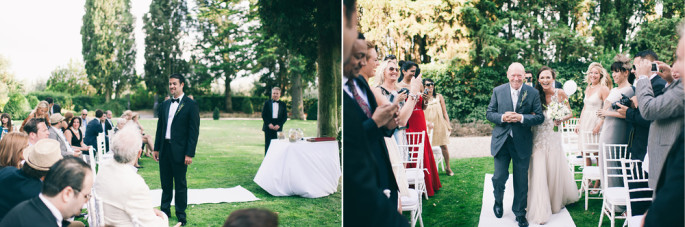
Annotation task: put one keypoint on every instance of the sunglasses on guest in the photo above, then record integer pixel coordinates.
(393, 69)
(429, 84)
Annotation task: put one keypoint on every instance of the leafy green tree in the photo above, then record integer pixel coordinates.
(165, 24)
(71, 79)
(8, 84)
(226, 40)
(312, 28)
(659, 35)
(281, 67)
(109, 45)
(17, 106)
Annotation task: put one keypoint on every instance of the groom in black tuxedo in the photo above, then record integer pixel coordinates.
(274, 114)
(514, 108)
(175, 141)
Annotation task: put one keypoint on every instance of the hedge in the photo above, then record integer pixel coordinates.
(141, 99)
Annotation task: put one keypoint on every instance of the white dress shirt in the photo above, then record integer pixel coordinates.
(514, 98)
(274, 109)
(55, 212)
(172, 112)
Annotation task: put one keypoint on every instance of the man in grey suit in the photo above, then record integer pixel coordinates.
(514, 108)
(57, 125)
(666, 112)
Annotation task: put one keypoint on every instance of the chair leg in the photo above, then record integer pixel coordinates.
(601, 216)
(413, 218)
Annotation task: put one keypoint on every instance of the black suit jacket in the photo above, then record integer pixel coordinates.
(367, 168)
(638, 127)
(16, 187)
(267, 115)
(32, 212)
(185, 129)
(92, 130)
(56, 108)
(667, 208)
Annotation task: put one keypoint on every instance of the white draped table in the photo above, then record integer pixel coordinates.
(307, 169)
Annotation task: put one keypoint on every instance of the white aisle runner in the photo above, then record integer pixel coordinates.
(211, 195)
(487, 216)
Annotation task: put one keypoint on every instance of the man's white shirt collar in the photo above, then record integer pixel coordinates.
(53, 209)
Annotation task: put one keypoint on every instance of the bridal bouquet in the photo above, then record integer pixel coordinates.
(557, 111)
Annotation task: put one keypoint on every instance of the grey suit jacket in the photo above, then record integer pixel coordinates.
(666, 112)
(500, 102)
(63, 146)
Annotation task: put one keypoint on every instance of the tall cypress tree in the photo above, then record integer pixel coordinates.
(108, 45)
(165, 25)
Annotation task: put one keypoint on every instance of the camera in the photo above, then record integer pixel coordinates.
(624, 101)
(654, 67)
(403, 90)
(425, 91)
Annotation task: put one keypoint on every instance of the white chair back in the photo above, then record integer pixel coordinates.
(101, 145)
(397, 166)
(414, 149)
(96, 214)
(633, 174)
(590, 148)
(611, 164)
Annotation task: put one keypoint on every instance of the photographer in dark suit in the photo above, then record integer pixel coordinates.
(175, 142)
(274, 115)
(53, 108)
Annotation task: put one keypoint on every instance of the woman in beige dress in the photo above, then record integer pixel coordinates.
(599, 82)
(436, 115)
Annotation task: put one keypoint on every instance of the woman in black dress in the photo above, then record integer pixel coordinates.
(74, 135)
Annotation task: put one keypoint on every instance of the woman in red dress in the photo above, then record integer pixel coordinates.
(417, 123)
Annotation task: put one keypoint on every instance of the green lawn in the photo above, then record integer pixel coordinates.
(458, 202)
(229, 153)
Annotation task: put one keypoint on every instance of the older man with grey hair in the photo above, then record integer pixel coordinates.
(125, 194)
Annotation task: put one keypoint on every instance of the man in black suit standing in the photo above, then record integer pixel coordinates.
(94, 128)
(274, 115)
(178, 128)
(369, 185)
(66, 188)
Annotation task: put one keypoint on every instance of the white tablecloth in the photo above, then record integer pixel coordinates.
(310, 170)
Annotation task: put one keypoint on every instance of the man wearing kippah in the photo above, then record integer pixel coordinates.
(25, 183)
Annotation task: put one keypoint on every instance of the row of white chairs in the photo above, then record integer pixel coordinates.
(94, 206)
(615, 164)
(407, 153)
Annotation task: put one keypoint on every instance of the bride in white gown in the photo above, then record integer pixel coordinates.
(551, 184)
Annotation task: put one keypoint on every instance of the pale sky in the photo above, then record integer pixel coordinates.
(38, 36)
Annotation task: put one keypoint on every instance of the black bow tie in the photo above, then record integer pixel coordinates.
(174, 100)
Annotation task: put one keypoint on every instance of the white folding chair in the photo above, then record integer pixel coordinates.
(590, 173)
(414, 204)
(569, 141)
(614, 195)
(414, 149)
(437, 152)
(90, 160)
(96, 214)
(633, 173)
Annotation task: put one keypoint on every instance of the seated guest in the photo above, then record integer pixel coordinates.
(120, 124)
(252, 217)
(25, 183)
(12, 148)
(58, 125)
(41, 111)
(74, 135)
(67, 187)
(123, 192)
(147, 139)
(95, 127)
(6, 126)
(37, 129)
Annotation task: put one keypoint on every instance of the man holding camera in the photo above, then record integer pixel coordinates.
(639, 127)
(666, 112)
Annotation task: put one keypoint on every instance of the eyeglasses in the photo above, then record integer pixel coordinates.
(529, 79)
(394, 69)
(87, 196)
(429, 84)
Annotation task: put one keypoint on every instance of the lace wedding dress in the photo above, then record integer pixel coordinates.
(550, 181)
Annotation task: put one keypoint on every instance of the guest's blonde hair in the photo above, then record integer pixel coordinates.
(12, 146)
(127, 114)
(605, 80)
(380, 72)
